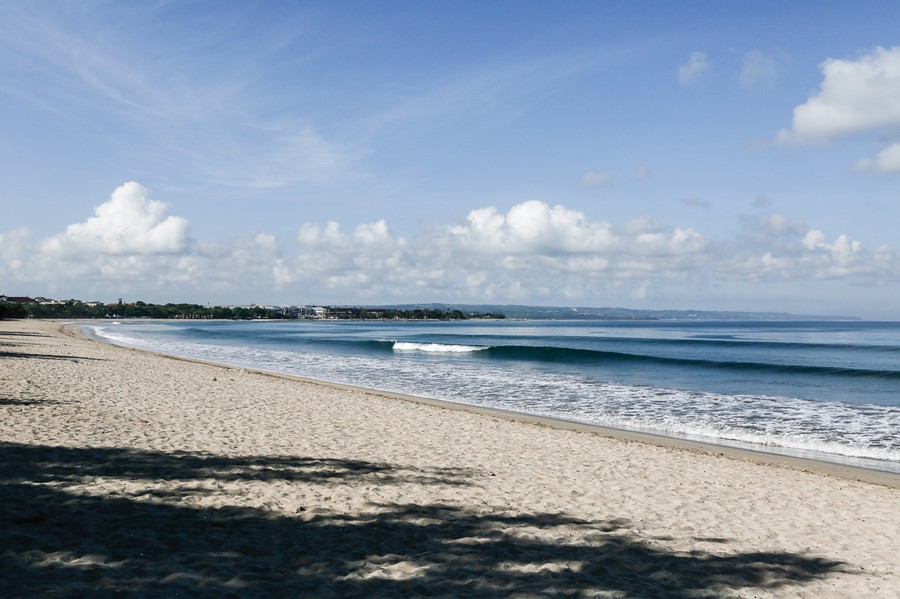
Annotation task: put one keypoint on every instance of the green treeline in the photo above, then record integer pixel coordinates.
(196, 311)
(135, 310)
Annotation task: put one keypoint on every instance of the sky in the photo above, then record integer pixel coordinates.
(648, 155)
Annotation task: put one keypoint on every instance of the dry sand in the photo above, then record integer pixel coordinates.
(124, 472)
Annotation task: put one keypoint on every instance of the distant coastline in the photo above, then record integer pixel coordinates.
(26, 307)
(40, 307)
(614, 313)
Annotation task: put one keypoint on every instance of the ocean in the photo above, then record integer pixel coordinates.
(822, 390)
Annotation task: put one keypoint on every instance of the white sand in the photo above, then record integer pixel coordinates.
(127, 471)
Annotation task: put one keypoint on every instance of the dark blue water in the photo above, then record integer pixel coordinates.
(829, 390)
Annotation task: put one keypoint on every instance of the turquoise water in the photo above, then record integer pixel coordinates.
(827, 390)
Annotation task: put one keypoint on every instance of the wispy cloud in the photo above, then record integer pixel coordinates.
(694, 69)
(208, 110)
(758, 69)
(597, 179)
(643, 172)
(695, 202)
(492, 94)
(98, 74)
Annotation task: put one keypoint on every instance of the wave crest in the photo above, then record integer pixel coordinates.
(408, 346)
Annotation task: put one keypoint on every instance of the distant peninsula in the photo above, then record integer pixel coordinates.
(586, 313)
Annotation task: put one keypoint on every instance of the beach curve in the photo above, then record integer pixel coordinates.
(129, 470)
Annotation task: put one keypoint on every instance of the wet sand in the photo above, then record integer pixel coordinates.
(124, 471)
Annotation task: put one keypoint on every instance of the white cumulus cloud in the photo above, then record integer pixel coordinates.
(856, 96)
(887, 161)
(532, 227)
(370, 258)
(772, 247)
(128, 223)
(530, 253)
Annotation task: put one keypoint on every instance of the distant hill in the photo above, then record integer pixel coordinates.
(563, 313)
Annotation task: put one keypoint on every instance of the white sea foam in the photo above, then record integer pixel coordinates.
(826, 430)
(117, 335)
(435, 347)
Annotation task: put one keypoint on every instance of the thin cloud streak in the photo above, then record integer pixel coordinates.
(502, 90)
(209, 117)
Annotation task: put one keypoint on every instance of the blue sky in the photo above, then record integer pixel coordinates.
(703, 155)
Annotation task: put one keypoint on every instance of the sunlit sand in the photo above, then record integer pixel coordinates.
(128, 471)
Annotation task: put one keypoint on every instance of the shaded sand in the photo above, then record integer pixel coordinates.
(127, 472)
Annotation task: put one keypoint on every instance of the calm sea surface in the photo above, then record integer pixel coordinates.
(827, 390)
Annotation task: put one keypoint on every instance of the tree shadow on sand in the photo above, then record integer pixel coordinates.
(15, 339)
(24, 401)
(21, 334)
(55, 540)
(32, 355)
(61, 465)
(38, 356)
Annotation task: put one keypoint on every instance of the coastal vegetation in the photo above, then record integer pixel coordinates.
(78, 309)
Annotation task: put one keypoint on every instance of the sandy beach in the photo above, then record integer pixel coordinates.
(125, 472)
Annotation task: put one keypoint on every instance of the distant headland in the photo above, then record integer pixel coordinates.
(588, 313)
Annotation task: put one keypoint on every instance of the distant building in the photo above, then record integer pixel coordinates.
(310, 312)
(19, 300)
(46, 301)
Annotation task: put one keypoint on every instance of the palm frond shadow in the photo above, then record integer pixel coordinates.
(57, 540)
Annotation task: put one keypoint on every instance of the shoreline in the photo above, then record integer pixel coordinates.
(127, 471)
(759, 456)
